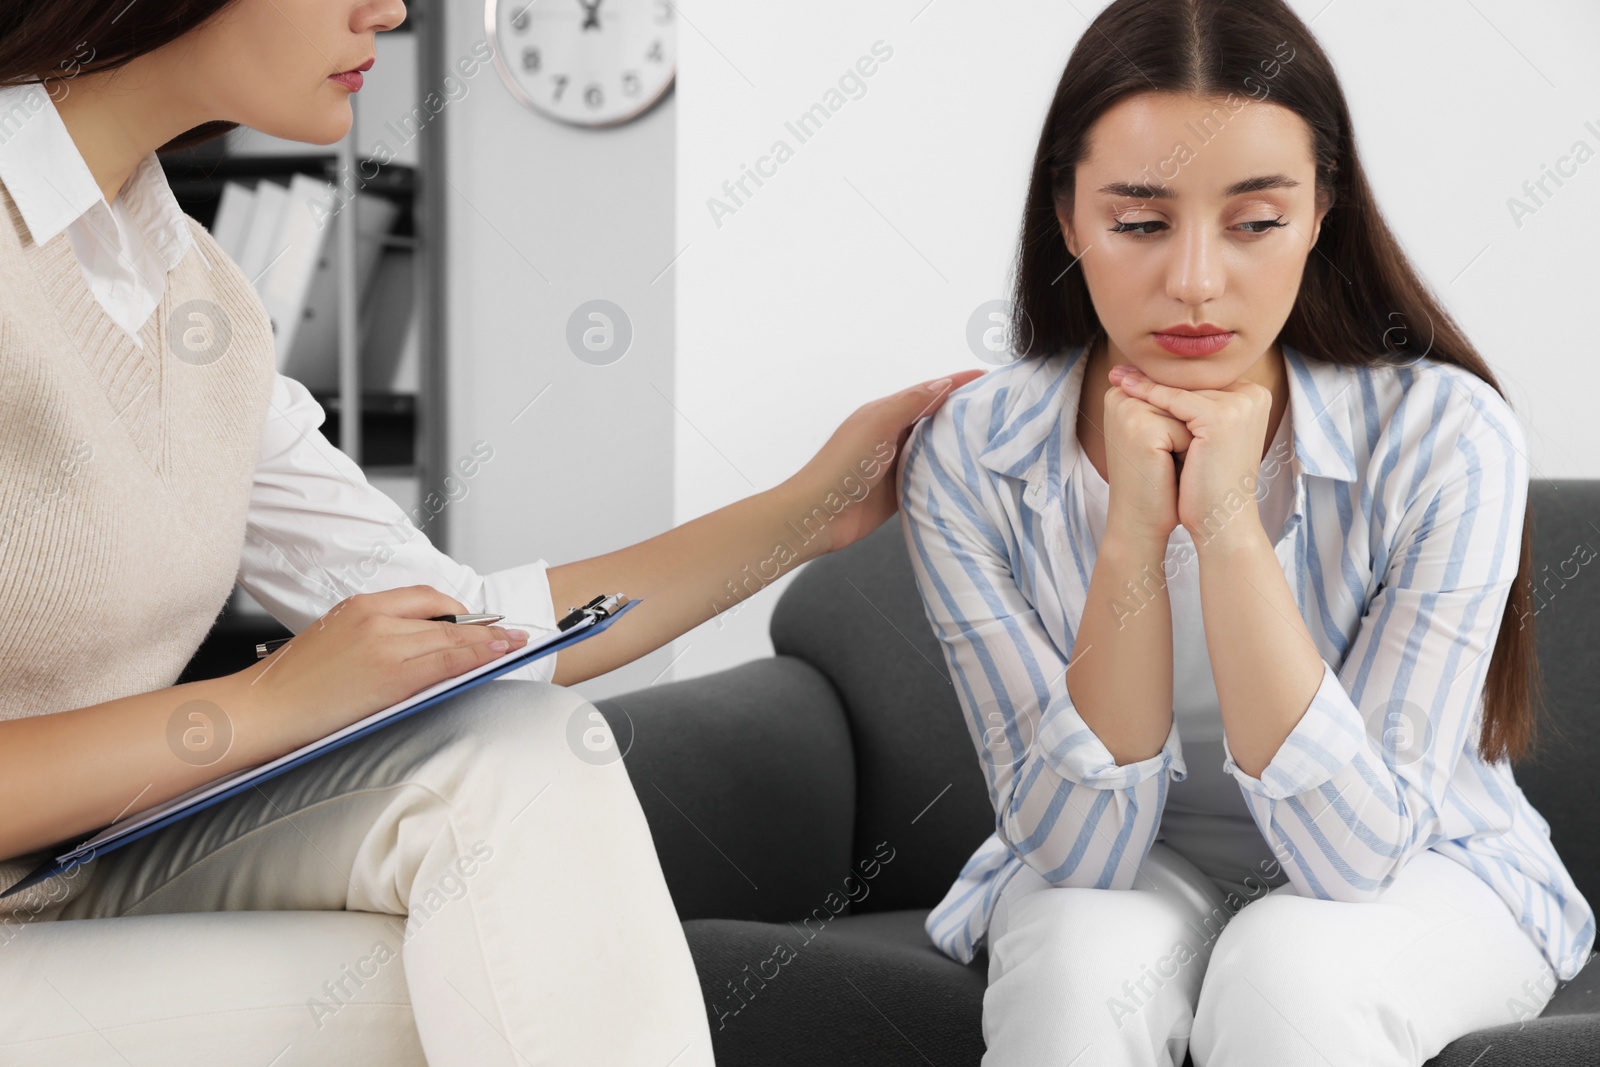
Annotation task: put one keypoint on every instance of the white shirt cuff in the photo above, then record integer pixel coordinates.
(1074, 751)
(522, 595)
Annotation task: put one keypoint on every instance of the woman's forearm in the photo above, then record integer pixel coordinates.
(1263, 660)
(1120, 678)
(67, 774)
(691, 573)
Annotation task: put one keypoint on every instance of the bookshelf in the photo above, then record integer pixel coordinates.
(373, 360)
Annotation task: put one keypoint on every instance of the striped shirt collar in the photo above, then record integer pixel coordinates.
(53, 187)
(1037, 422)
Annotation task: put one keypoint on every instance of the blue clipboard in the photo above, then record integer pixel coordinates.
(86, 851)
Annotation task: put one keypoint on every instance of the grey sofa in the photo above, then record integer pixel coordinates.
(810, 808)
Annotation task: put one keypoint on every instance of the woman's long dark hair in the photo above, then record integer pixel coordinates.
(1360, 302)
(54, 41)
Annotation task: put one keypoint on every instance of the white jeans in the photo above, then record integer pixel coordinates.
(468, 886)
(1142, 976)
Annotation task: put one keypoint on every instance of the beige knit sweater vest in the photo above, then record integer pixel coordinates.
(124, 485)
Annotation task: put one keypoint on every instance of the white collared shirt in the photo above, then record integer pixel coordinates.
(317, 531)
(1403, 543)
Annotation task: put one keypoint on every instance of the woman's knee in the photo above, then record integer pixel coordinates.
(516, 724)
(512, 758)
(1109, 971)
(1099, 942)
(513, 763)
(1278, 982)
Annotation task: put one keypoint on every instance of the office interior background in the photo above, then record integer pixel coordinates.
(770, 292)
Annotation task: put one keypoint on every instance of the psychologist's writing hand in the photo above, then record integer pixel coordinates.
(1227, 428)
(368, 652)
(1144, 447)
(854, 475)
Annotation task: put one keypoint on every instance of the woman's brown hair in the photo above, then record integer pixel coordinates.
(54, 41)
(1360, 302)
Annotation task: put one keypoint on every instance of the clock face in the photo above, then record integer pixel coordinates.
(585, 62)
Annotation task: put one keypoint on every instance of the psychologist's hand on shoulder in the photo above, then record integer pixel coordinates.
(854, 475)
(368, 652)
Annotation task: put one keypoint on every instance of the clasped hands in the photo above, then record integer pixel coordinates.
(1216, 437)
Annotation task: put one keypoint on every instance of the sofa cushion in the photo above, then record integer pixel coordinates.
(865, 990)
(746, 779)
(856, 616)
(1558, 777)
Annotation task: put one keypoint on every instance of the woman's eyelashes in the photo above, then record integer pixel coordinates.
(1132, 228)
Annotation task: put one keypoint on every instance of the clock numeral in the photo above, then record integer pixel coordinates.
(618, 86)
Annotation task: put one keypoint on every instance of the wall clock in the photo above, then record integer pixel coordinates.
(589, 63)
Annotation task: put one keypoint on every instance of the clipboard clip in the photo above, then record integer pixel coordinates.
(602, 606)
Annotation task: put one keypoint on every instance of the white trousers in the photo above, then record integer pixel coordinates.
(1141, 976)
(468, 887)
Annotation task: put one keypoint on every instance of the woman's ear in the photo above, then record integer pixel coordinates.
(1064, 220)
(1324, 204)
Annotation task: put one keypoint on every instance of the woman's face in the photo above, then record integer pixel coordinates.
(1165, 166)
(266, 63)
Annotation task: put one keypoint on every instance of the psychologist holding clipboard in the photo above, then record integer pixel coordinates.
(456, 889)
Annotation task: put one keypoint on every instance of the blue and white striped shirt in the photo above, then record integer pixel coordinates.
(1410, 485)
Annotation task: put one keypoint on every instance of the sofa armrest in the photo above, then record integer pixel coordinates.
(747, 779)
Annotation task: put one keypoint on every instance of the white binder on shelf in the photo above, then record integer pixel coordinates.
(389, 349)
(285, 240)
(304, 229)
(260, 240)
(314, 358)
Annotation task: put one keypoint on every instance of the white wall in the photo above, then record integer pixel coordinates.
(853, 270)
(543, 217)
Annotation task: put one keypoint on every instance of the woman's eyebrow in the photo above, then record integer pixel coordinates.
(1157, 191)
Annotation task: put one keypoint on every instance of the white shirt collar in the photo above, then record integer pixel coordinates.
(53, 187)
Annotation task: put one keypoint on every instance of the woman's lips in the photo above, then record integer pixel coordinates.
(1204, 345)
(351, 79)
